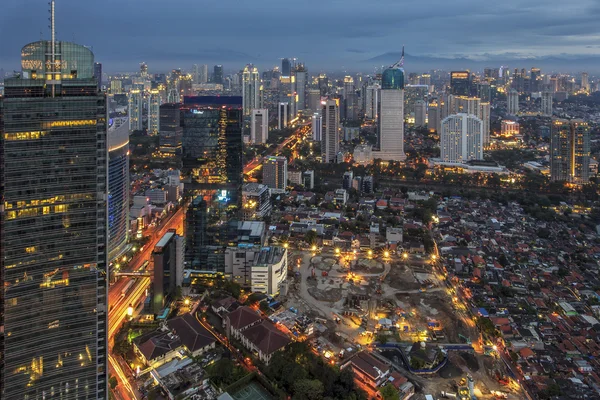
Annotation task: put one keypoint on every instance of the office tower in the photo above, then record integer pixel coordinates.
(308, 179)
(218, 74)
(484, 92)
(282, 115)
(347, 180)
(287, 94)
(391, 116)
(585, 81)
(196, 73)
(420, 113)
(323, 83)
(167, 257)
(460, 83)
(317, 126)
(286, 67)
(203, 74)
(372, 101)
(313, 97)
(485, 111)
(171, 129)
(97, 74)
(118, 188)
(250, 89)
(412, 94)
(512, 102)
(535, 79)
(196, 224)
(570, 151)
(434, 115)
(212, 145)
(330, 126)
(350, 100)
(116, 86)
(466, 105)
(154, 112)
(275, 173)
(143, 70)
(547, 103)
(425, 79)
(301, 79)
(256, 201)
(461, 138)
(135, 110)
(259, 128)
(491, 73)
(53, 226)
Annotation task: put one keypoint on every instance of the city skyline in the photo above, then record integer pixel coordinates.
(466, 34)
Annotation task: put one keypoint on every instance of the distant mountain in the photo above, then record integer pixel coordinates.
(563, 63)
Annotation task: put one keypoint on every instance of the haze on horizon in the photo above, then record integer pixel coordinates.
(337, 35)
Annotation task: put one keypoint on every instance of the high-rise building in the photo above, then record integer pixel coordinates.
(434, 115)
(547, 103)
(218, 74)
(196, 224)
(460, 83)
(116, 86)
(485, 110)
(256, 201)
(461, 138)
(97, 74)
(250, 88)
(412, 94)
(203, 74)
(372, 101)
(585, 81)
(317, 126)
(143, 70)
(136, 99)
(420, 113)
(330, 126)
(391, 116)
(154, 112)
(512, 102)
(282, 115)
(171, 129)
(212, 145)
(167, 258)
(286, 67)
(275, 173)
(259, 126)
(535, 79)
(484, 92)
(53, 226)
(301, 80)
(323, 83)
(350, 100)
(118, 188)
(570, 151)
(313, 97)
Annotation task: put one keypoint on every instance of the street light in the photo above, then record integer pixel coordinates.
(314, 248)
(186, 302)
(386, 254)
(337, 250)
(405, 255)
(370, 253)
(286, 245)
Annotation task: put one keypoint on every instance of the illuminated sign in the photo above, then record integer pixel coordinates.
(198, 111)
(71, 123)
(223, 196)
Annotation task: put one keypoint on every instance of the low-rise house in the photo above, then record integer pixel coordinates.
(368, 369)
(264, 340)
(240, 320)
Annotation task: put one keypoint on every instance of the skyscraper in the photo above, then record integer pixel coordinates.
(196, 73)
(391, 116)
(460, 83)
(154, 112)
(330, 124)
(420, 113)
(317, 122)
(570, 151)
(171, 129)
(372, 101)
(512, 102)
(301, 80)
(286, 67)
(218, 74)
(196, 224)
(313, 100)
(135, 110)
(259, 127)
(434, 115)
(461, 138)
(203, 73)
(118, 188)
(250, 88)
(585, 81)
(275, 173)
(350, 99)
(167, 256)
(282, 115)
(547, 103)
(97, 74)
(53, 226)
(485, 110)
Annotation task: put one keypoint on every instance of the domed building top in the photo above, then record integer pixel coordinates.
(392, 78)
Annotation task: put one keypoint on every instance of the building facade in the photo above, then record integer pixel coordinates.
(512, 102)
(118, 189)
(167, 258)
(330, 126)
(259, 126)
(461, 138)
(391, 116)
(275, 173)
(547, 103)
(570, 151)
(256, 201)
(250, 89)
(136, 100)
(154, 112)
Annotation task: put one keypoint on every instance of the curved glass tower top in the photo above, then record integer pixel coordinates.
(73, 61)
(392, 78)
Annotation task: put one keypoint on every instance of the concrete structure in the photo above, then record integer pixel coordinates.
(259, 126)
(372, 94)
(363, 154)
(282, 115)
(368, 369)
(167, 257)
(275, 173)
(313, 99)
(250, 89)
(461, 138)
(570, 151)
(512, 102)
(308, 179)
(136, 99)
(256, 201)
(317, 127)
(547, 103)
(118, 188)
(330, 142)
(391, 116)
(154, 112)
(434, 115)
(509, 128)
(420, 113)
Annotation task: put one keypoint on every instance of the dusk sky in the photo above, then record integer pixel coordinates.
(326, 34)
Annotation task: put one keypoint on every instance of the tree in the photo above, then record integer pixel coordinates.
(381, 338)
(308, 389)
(310, 237)
(221, 372)
(112, 382)
(389, 392)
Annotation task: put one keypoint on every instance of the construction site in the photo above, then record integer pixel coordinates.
(398, 308)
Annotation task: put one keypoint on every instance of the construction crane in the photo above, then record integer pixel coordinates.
(401, 62)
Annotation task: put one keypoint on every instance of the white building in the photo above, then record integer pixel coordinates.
(282, 115)
(259, 128)
(509, 128)
(420, 113)
(154, 112)
(251, 89)
(256, 201)
(512, 100)
(330, 142)
(135, 110)
(317, 126)
(264, 269)
(363, 154)
(461, 138)
(275, 173)
(391, 116)
(372, 100)
(547, 104)
(484, 115)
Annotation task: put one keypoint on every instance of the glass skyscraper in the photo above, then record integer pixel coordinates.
(118, 188)
(53, 230)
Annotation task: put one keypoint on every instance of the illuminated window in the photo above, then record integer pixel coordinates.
(30, 250)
